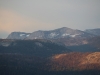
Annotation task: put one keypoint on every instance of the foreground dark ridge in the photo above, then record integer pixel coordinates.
(41, 48)
(61, 64)
(47, 57)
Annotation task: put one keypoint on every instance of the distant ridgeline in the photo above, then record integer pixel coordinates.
(54, 34)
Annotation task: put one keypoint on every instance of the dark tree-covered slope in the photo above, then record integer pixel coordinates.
(42, 48)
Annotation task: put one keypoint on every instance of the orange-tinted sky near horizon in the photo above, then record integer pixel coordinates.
(11, 21)
(33, 15)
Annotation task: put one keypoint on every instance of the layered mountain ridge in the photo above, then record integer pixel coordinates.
(93, 31)
(18, 35)
(63, 32)
(62, 51)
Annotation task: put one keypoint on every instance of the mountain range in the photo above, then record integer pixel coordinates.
(63, 32)
(75, 40)
(63, 51)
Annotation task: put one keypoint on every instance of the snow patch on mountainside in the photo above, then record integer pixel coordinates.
(53, 34)
(22, 34)
(65, 34)
(72, 35)
(27, 35)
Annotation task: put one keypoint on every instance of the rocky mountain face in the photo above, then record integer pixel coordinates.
(58, 33)
(52, 34)
(93, 31)
(18, 35)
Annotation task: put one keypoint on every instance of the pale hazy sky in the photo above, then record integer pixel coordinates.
(32, 15)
